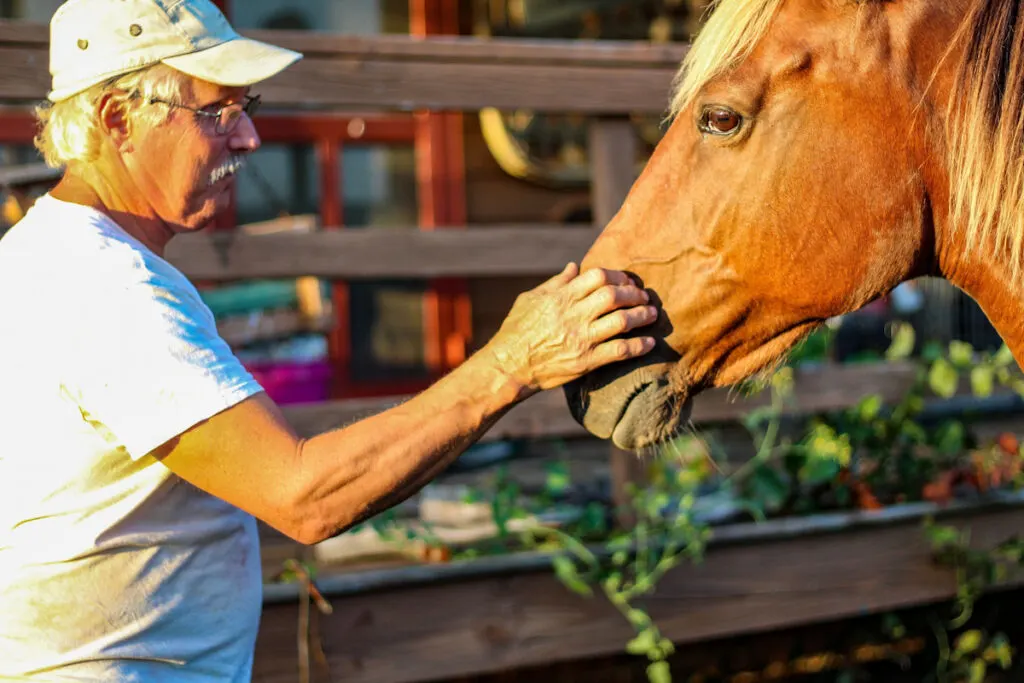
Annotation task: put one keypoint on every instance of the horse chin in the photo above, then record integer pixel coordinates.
(634, 407)
(644, 404)
(651, 416)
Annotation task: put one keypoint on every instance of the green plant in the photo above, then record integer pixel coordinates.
(866, 456)
(974, 651)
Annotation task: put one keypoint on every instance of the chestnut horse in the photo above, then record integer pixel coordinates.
(820, 152)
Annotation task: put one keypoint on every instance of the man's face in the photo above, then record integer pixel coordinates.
(183, 167)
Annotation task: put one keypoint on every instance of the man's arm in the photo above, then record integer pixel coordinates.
(313, 489)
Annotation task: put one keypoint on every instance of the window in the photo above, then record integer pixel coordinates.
(279, 180)
(364, 17)
(386, 317)
(38, 11)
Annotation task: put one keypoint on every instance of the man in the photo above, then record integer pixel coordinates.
(135, 451)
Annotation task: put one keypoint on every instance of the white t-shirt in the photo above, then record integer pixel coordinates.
(111, 567)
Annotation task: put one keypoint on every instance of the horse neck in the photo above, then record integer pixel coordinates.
(990, 281)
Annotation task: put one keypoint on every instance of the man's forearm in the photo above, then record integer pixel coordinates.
(356, 472)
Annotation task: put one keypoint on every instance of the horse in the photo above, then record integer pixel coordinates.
(817, 153)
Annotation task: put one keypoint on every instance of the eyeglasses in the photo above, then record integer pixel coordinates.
(226, 118)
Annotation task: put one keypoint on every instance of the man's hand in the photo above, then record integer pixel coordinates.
(564, 328)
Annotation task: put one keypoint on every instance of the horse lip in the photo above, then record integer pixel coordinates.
(648, 415)
(600, 422)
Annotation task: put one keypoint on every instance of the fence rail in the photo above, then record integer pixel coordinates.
(404, 74)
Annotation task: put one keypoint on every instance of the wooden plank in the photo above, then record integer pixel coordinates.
(398, 253)
(27, 174)
(524, 618)
(613, 149)
(458, 49)
(613, 158)
(547, 415)
(404, 73)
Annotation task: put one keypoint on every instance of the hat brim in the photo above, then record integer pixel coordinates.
(235, 63)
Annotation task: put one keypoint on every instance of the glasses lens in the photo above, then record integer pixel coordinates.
(229, 117)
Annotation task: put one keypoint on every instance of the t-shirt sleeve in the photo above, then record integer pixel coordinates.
(147, 361)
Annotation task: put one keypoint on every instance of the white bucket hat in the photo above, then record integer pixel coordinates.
(95, 40)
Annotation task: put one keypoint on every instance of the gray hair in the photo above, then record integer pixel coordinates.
(69, 130)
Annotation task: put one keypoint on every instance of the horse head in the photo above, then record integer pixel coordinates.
(819, 153)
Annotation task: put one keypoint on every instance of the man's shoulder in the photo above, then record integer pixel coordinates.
(80, 258)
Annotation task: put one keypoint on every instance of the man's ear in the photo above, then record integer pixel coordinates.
(113, 119)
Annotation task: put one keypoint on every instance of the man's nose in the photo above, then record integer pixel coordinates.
(244, 137)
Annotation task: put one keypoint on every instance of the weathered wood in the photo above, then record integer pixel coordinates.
(613, 157)
(404, 73)
(27, 174)
(613, 151)
(825, 568)
(397, 253)
(546, 414)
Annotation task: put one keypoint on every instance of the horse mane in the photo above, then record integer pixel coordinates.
(985, 120)
(986, 130)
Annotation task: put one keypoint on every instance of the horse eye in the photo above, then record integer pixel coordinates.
(720, 121)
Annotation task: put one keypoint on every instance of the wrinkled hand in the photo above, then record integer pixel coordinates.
(563, 328)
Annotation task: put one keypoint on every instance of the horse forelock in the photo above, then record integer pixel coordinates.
(731, 31)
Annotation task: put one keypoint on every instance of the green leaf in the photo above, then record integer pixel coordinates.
(893, 626)
(951, 438)
(913, 432)
(1004, 357)
(868, 408)
(943, 378)
(824, 443)
(968, 642)
(1004, 653)
(982, 379)
(978, 670)
(817, 471)
(782, 382)
(565, 570)
(645, 641)
(659, 672)
(931, 352)
(557, 478)
(902, 342)
(961, 353)
(943, 536)
(768, 487)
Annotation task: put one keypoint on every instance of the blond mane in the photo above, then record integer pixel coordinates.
(727, 37)
(986, 131)
(985, 120)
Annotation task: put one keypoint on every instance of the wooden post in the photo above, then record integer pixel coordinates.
(613, 151)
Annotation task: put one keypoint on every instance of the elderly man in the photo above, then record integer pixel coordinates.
(136, 452)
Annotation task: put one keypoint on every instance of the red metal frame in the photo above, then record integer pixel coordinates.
(442, 180)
